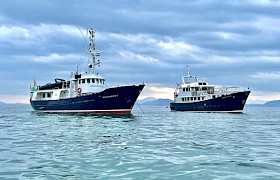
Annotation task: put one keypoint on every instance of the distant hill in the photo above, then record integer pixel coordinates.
(254, 105)
(148, 99)
(151, 101)
(158, 102)
(2, 103)
(275, 103)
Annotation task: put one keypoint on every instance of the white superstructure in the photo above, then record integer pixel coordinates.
(79, 84)
(193, 90)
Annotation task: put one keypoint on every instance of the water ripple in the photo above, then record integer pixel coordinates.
(156, 145)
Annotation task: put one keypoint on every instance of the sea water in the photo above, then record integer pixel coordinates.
(156, 144)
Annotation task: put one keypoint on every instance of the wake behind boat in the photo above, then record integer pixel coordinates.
(199, 96)
(84, 92)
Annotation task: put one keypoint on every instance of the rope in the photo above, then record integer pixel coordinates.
(140, 107)
(81, 60)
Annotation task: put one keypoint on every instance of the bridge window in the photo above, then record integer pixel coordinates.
(198, 98)
(49, 95)
(88, 80)
(93, 80)
(83, 81)
(194, 98)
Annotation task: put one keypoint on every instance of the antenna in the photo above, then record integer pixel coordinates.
(189, 75)
(92, 51)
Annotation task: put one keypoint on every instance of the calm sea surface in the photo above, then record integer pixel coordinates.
(158, 144)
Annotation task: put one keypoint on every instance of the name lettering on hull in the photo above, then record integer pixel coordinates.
(111, 96)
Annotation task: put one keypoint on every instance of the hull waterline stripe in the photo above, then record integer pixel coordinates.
(89, 111)
(234, 111)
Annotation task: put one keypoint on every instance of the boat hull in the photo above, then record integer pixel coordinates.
(118, 100)
(228, 103)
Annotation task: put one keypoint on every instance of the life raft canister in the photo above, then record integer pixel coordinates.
(79, 90)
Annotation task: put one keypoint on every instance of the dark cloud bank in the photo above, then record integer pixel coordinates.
(224, 42)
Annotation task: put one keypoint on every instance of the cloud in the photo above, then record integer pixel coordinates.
(223, 42)
(266, 75)
(261, 97)
(136, 58)
(14, 98)
(266, 2)
(54, 58)
(157, 91)
(10, 33)
(177, 48)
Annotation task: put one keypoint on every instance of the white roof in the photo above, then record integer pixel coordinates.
(96, 76)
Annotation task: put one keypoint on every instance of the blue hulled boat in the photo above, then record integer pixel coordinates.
(199, 96)
(85, 92)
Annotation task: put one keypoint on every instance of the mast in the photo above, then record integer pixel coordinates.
(189, 77)
(92, 52)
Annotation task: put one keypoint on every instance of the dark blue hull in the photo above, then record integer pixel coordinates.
(118, 100)
(230, 103)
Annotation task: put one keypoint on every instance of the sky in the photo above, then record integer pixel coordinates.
(224, 42)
